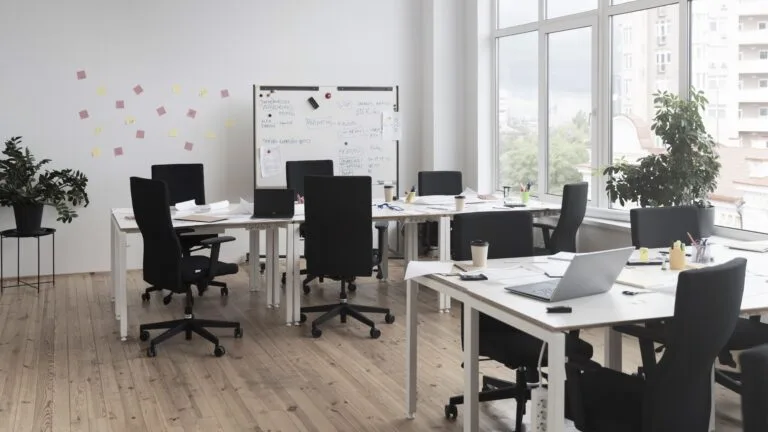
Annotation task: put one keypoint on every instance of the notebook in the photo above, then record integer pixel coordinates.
(752, 246)
(201, 218)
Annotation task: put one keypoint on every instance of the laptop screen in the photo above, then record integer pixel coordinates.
(273, 203)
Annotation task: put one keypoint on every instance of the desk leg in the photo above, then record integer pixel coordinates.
(269, 268)
(471, 369)
(253, 254)
(121, 296)
(291, 259)
(384, 251)
(113, 245)
(712, 408)
(275, 252)
(444, 249)
(556, 380)
(411, 326)
(613, 349)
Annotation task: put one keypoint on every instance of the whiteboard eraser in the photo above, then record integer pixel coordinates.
(313, 102)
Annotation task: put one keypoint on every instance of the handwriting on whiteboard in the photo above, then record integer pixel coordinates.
(351, 160)
(319, 123)
(276, 141)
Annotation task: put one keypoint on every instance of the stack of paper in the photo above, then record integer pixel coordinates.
(422, 268)
(752, 246)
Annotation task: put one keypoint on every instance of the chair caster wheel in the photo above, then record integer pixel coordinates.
(302, 318)
(151, 351)
(389, 318)
(167, 299)
(307, 289)
(238, 333)
(224, 291)
(282, 279)
(144, 336)
(375, 333)
(352, 287)
(145, 297)
(451, 412)
(316, 332)
(379, 276)
(219, 351)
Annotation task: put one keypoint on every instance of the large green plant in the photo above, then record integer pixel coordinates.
(685, 174)
(23, 182)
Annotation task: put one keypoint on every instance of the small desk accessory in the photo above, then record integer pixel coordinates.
(677, 256)
(410, 195)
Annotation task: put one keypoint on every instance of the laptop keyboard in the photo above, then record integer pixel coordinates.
(541, 289)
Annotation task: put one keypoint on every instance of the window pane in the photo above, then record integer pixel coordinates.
(733, 37)
(656, 64)
(518, 109)
(570, 105)
(516, 12)
(557, 8)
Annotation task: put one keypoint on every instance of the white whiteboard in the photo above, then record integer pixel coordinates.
(357, 128)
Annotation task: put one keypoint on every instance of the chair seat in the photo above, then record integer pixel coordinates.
(195, 267)
(515, 349)
(748, 334)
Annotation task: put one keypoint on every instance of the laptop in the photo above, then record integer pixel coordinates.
(273, 203)
(588, 274)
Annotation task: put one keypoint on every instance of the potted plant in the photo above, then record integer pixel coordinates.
(684, 174)
(26, 187)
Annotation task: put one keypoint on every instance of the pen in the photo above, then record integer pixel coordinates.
(692, 240)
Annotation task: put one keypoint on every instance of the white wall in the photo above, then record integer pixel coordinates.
(195, 44)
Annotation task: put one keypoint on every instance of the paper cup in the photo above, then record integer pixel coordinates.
(460, 200)
(479, 253)
(389, 193)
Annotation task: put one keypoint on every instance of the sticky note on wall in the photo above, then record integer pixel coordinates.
(129, 120)
(140, 134)
(161, 111)
(173, 133)
(95, 152)
(138, 89)
(83, 114)
(188, 146)
(176, 89)
(81, 75)
(101, 91)
(118, 151)
(120, 104)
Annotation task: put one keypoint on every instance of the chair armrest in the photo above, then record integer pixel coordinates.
(217, 240)
(184, 230)
(543, 225)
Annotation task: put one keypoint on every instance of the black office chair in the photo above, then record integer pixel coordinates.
(677, 396)
(165, 267)
(510, 235)
(572, 211)
(656, 227)
(185, 182)
(338, 243)
(436, 183)
(754, 395)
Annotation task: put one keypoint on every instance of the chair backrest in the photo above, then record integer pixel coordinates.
(754, 389)
(440, 183)
(295, 171)
(707, 305)
(573, 209)
(162, 251)
(506, 232)
(337, 227)
(185, 181)
(655, 227)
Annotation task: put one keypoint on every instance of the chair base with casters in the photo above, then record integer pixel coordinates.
(344, 310)
(187, 325)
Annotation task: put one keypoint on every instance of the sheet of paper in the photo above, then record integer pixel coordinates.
(270, 161)
(185, 205)
(753, 246)
(514, 273)
(562, 256)
(219, 205)
(649, 278)
(421, 268)
(298, 209)
(245, 207)
(390, 126)
(554, 268)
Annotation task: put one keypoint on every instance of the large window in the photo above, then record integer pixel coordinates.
(576, 94)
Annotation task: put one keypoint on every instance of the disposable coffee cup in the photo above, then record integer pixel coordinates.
(460, 202)
(389, 192)
(479, 253)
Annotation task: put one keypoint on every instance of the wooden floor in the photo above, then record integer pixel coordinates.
(62, 366)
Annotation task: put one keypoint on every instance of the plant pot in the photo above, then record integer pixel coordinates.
(28, 217)
(706, 221)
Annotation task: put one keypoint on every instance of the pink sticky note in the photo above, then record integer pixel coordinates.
(161, 111)
(119, 104)
(224, 93)
(118, 151)
(140, 134)
(81, 75)
(83, 114)
(138, 90)
(191, 113)
(188, 146)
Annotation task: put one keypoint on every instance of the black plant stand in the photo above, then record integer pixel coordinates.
(12, 233)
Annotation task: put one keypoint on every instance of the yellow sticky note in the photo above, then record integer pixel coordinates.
(101, 91)
(97, 130)
(176, 89)
(173, 133)
(210, 135)
(129, 120)
(95, 152)
(203, 92)
(229, 123)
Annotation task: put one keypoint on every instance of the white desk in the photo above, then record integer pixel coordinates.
(530, 316)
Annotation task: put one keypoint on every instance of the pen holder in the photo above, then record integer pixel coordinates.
(702, 254)
(676, 259)
(524, 197)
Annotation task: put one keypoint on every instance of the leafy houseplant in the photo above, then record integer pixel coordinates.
(685, 174)
(27, 188)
